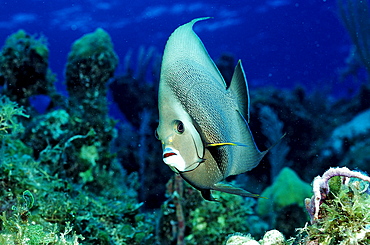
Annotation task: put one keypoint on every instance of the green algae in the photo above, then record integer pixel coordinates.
(344, 216)
(40, 207)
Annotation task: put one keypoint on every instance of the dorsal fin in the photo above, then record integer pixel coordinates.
(239, 89)
(184, 44)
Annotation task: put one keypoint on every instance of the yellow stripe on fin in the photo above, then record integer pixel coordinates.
(226, 143)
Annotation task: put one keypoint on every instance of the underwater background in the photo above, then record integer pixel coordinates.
(79, 163)
(281, 42)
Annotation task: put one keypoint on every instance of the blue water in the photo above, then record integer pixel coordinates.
(283, 43)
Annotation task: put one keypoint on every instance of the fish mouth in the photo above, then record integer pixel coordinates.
(168, 154)
(173, 159)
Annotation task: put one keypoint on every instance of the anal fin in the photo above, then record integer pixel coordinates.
(233, 190)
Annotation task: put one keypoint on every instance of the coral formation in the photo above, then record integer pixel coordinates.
(60, 181)
(357, 127)
(272, 237)
(91, 63)
(62, 184)
(349, 143)
(211, 221)
(288, 189)
(41, 208)
(205, 222)
(8, 121)
(284, 206)
(239, 239)
(21, 56)
(339, 209)
(47, 130)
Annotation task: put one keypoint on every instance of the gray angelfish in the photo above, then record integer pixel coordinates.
(203, 125)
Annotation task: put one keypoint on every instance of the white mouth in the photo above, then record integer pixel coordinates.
(173, 159)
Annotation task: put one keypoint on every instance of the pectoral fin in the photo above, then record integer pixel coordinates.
(233, 190)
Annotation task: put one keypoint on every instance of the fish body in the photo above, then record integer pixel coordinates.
(203, 124)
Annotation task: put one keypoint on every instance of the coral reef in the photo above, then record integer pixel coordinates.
(68, 176)
(60, 182)
(321, 188)
(358, 127)
(339, 209)
(202, 221)
(288, 189)
(21, 56)
(239, 239)
(210, 222)
(47, 130)
(272, 237)
(284, 206)
(8, 120)
(41, 208)
(91, 63)
(349, 143)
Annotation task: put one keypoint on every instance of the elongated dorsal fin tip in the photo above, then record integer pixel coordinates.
(199, 19)
(185, 45)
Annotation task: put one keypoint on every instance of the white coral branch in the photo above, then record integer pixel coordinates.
(321, 188)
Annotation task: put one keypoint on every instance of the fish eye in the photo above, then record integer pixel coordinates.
(156, 134)
(179, 127)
